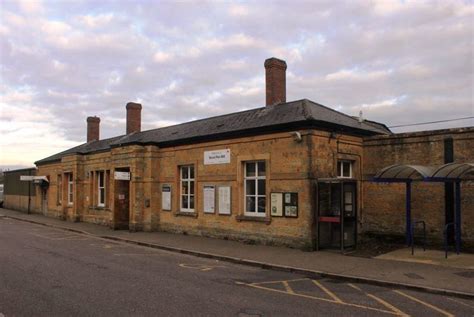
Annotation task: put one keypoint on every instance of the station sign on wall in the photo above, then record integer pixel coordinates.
(217, 157)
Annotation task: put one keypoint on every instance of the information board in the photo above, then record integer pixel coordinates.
(224, 200)
(290, 204)
(276, 204)
(166, 197)
(209, 199)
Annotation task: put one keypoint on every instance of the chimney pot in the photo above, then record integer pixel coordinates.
(134, 117)
(93, 128)
(275, 81)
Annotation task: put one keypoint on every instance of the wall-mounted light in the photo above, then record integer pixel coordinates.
(297, 136)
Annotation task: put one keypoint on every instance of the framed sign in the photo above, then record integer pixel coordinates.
(166, 197)
(209, 199)
(122, 176)
(217, 157)
(224, 200)
(276, 204)
(290, 204)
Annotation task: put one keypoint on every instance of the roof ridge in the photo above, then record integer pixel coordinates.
(341, 113)
(223, 115)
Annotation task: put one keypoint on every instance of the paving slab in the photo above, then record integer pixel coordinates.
(435, 278)
(434, 257)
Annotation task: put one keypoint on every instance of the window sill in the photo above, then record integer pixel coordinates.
(265, 220)
(186, 214)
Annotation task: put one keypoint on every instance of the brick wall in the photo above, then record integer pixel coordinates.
(383, 207)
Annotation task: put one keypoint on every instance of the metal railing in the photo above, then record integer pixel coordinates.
(413, 225)
(446, 244)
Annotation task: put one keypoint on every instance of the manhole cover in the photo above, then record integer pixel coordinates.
(468, 274)
(414, 276)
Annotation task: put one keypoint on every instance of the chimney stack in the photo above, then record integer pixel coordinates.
(134, 117)
(93, 128)
(275, 81)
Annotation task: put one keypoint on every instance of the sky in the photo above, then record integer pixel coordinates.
(399, 62)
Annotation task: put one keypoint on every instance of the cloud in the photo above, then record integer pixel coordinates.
(63, 61)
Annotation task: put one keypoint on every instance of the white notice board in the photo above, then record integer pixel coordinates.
(122, 176)
(277, 204)
(166, 197)
(224, 200)
(209, 199)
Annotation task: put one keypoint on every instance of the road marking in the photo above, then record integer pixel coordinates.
(459, 302)
(331, 294)
(200, 267)
(256, 285)
(280, 281)
(288, 287)
(424, 303)
(381, 301)
(134, 254)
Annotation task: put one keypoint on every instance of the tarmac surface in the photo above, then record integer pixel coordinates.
(46, 271)
(441, 279)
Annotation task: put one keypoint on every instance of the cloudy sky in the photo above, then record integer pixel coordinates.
(399, 62)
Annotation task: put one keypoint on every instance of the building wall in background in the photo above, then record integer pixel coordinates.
(19, 194)
(383, 210)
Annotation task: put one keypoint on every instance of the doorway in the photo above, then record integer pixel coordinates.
(121, 199)
(336, 214)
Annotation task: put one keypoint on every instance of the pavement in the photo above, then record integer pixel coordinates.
(435, 257)
(425, 277)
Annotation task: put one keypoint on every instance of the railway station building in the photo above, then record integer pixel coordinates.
(293, 173)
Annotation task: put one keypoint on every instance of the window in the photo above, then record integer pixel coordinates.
(187, 188)
(70, 193)
(344, 169)
(60, 190)
(255, 189)
(101, 189)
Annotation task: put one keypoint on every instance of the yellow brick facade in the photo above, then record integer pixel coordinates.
(291, 166)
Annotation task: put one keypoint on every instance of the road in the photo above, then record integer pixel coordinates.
(51, 272)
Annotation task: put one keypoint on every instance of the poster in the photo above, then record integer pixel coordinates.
(224, 200)
(209, 199)
(166, 197)
(291, 205)
(277, 204)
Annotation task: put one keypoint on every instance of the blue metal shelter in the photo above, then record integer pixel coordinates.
(404, 174)
(451, 172)
(454, 172)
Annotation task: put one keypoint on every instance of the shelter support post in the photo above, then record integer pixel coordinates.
(408, 213)
(457, 218)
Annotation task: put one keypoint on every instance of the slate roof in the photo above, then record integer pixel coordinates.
(300, 114)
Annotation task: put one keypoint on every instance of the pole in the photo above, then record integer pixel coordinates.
(458, 217)
(29, 194)
(408, 213)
